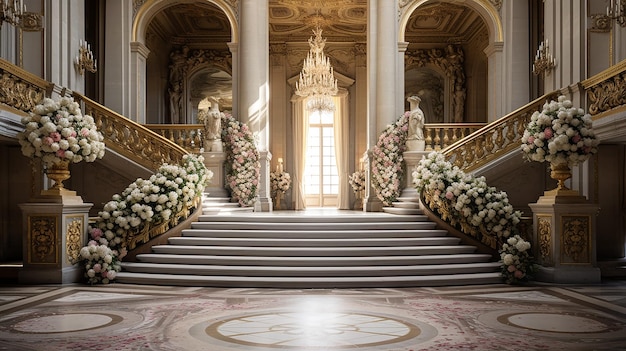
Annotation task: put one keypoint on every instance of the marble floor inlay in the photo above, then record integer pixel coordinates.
(160, 318)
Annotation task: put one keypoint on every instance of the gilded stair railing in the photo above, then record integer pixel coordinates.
(438, 136)
(131, 139)
(495, 139)
(187, 136)
(606, 90)
(21, 89)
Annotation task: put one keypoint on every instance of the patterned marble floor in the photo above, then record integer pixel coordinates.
(133, 317)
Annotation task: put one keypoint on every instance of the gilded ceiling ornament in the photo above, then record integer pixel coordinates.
(497, 4)
(136, 6)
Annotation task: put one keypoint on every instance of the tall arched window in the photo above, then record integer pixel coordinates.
(321, 175)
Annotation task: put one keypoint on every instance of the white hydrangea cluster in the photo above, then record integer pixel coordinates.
(463, 199)
(148, 202)
(101, 263)
(243, 167)
(388, 161)
(516, 260)
(57, 131)
(357, 181)
(560, 133)
(279, 181)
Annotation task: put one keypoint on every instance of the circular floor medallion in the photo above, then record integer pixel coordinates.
(316, 330)
(555, 322)
(65, 323)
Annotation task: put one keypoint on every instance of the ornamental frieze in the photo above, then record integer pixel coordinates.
(607, 94)
(19, 94)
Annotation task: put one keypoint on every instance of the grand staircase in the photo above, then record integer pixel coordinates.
(312, 249)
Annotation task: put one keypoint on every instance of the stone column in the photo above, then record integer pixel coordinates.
(254, 93)
(564, 226)
(383, 73)
(138, 55)
(118, 18)
(234, 50)
(65, 31)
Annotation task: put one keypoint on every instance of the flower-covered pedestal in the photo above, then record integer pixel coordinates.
(412, 159)
(55, 221)
(564, 221)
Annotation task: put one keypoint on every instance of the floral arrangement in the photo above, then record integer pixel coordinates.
(560, 133)
(279, 181)
(517, 265)
(388, 162)
(101, 263)
(242, 166)
(357, 181)
(57, 131)
(143, 204)
(466, 201)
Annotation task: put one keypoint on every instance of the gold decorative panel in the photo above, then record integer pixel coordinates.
(576, 239)
(42, 234)
(544, 234)
(73, 239)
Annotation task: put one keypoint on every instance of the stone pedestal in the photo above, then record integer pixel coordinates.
(54, 232)
(411, 160)
(214, 161)
(564, 226)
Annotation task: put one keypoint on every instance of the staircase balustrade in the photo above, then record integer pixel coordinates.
(21, 89)
(132, 139)
(606, 90)
(187, 136)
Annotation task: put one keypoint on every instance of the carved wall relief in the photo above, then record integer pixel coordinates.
(544, 234)
(576, 239)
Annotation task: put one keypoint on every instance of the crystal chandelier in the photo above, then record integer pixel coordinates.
(317, 81)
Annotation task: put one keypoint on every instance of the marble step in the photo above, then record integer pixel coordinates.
(314, 234)
(402, 211)
(303, 261)
(323, 271)
(313, 251)
(310, 243)
(408, 205)
(310, 282)
(290, 217)
(300, 226)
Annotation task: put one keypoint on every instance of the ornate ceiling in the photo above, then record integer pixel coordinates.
(293, 20)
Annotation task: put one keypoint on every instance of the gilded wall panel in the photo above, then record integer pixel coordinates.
(576, 239)
(42, 234)
(544, 234)
(73, 238)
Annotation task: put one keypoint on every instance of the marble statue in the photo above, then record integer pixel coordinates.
(415, 135)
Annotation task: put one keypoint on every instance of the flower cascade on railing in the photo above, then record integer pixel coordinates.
(56, 131)
(559, 134)
(388, 162)
(242, 161)
(465, 201)
(145, 209)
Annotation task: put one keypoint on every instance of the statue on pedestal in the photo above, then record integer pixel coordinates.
(415, 137)
(212, 120)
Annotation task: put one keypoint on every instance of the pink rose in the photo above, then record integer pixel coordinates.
(512, 268)
(55, 136)
(48, 140)
(97, 267)
(61, 153)
(84, 132)
(519, 274)
(548, 133)
(531, 139)
(96, 233)
(576, 138)
(449, 195)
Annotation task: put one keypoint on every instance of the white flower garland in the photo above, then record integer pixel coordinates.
(517, 265)
(144, 202)
(243, 167)
(357, 181)
(468, 200)
(560, 133)
(388, 161)
(279, 181)
(57, 131)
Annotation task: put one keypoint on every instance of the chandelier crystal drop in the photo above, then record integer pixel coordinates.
(317, 81)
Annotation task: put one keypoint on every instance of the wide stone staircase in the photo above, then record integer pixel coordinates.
(312, 249)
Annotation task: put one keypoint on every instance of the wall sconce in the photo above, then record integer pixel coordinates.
(615, 10)
(84, 60)
(544, 62)
(11, 11)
